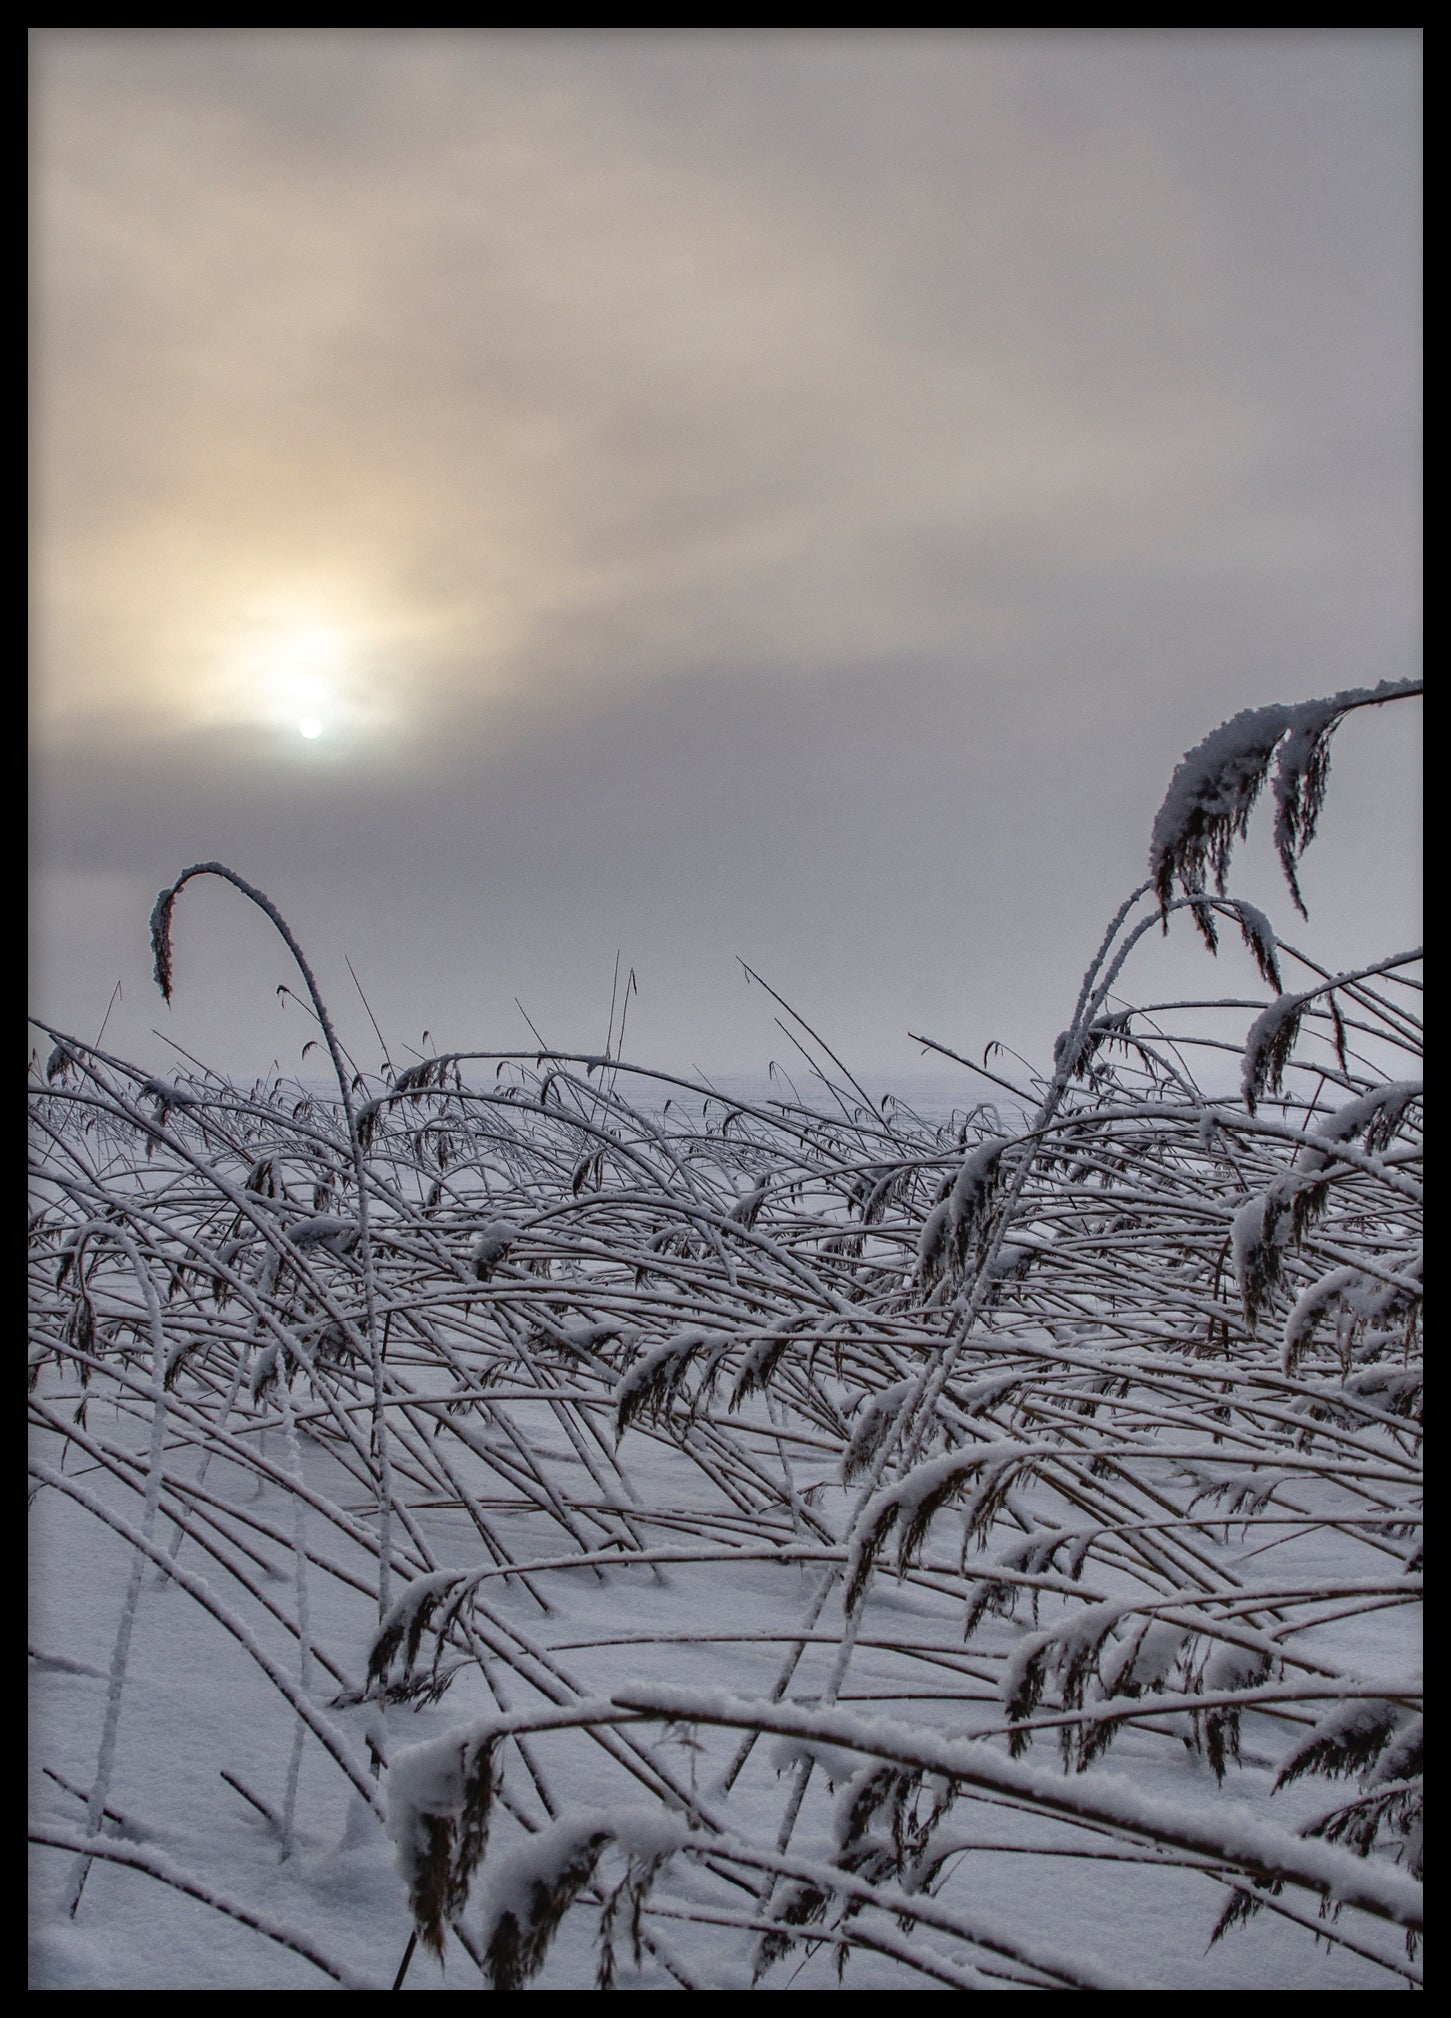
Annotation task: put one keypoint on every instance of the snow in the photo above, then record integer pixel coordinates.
(1271, 1030)
(489, 1246)
(1216, 784)
(337, 1236)
(1375, 1114)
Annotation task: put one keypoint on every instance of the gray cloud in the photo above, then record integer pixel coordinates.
(788, 493)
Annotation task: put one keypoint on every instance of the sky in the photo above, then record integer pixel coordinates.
(523, 497)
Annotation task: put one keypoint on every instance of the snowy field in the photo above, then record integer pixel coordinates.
(527, 1520)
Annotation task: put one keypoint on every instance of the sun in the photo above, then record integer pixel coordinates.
(310, 727)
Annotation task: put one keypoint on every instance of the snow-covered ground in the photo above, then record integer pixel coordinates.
(681, 1552)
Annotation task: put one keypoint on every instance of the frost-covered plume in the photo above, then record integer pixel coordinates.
(1213, 792)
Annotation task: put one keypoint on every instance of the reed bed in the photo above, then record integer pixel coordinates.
(661, 1538)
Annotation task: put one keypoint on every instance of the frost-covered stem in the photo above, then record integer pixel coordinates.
(1096, 963)
(1089, 1005)
(304, 1624)
(163, 1581)
(120, 1653)
(778, 1417)
(161, 946)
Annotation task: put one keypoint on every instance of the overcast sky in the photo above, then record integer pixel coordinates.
(787, 494)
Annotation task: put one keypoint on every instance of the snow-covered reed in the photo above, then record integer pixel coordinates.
(697, 1539)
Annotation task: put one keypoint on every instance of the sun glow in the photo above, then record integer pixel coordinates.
(301, 671)
(297, 676)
